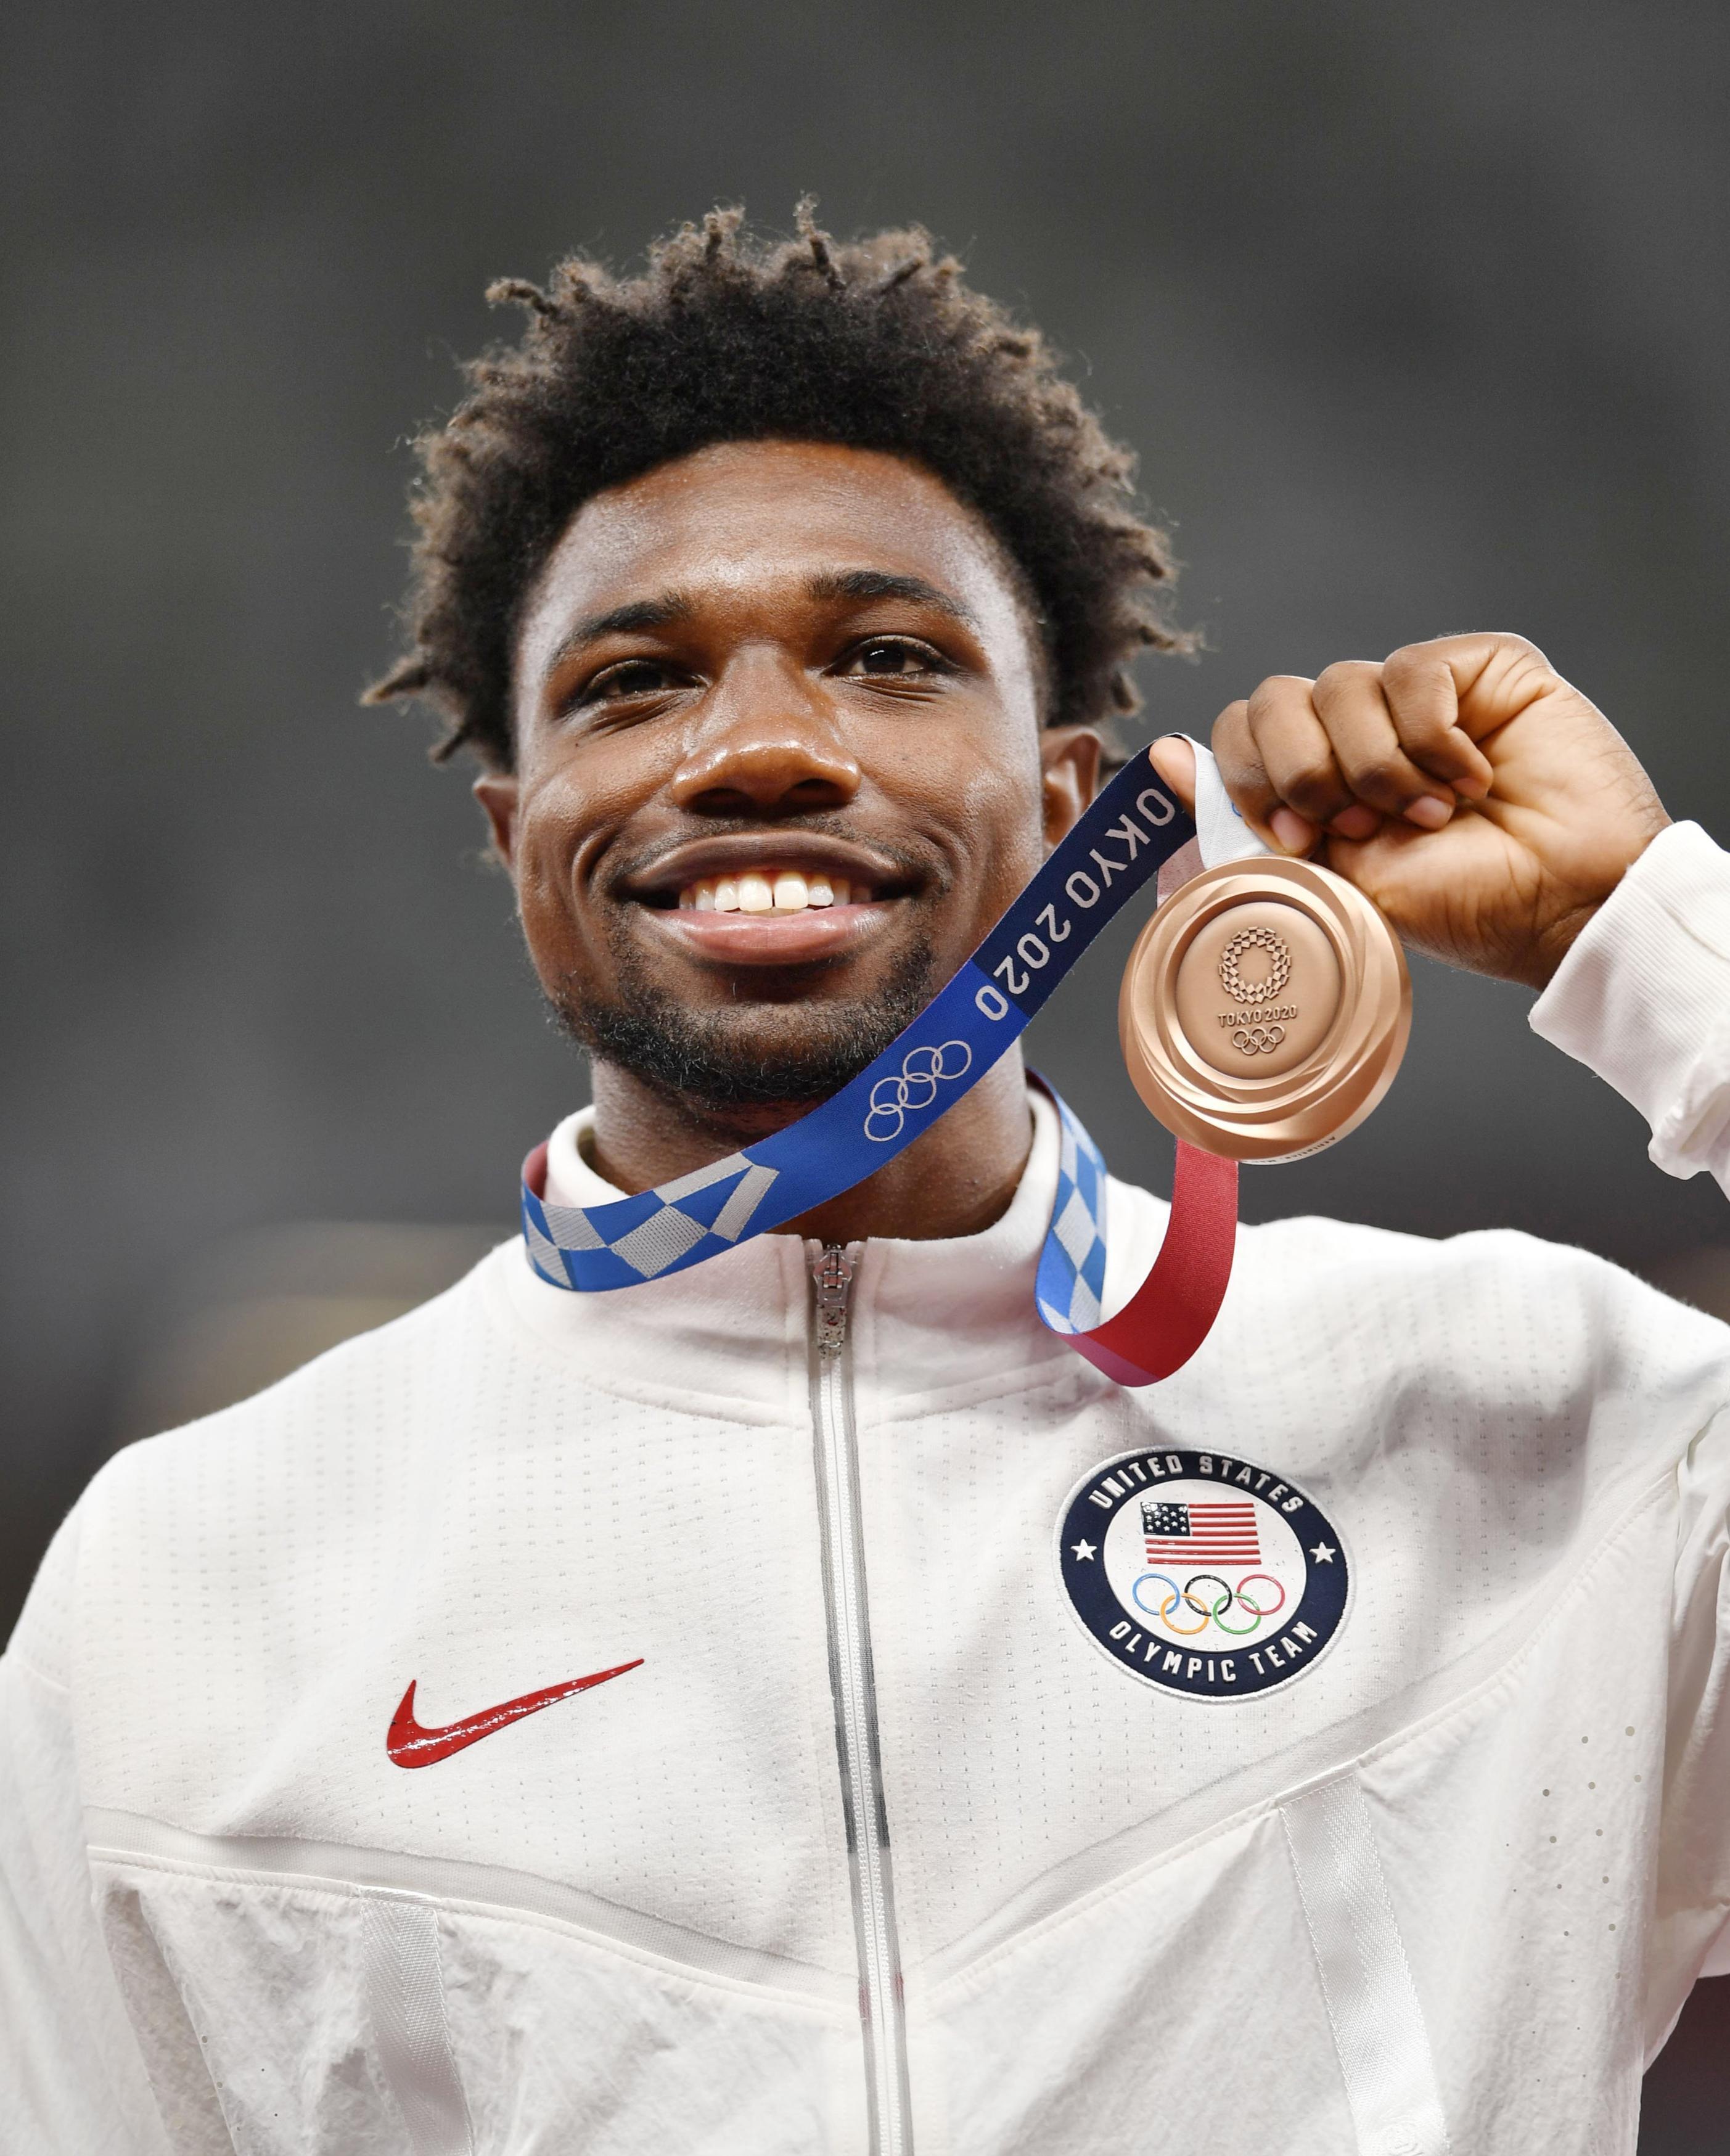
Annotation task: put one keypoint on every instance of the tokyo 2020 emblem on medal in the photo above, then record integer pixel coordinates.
(1201, 1572)
(1264, 1009)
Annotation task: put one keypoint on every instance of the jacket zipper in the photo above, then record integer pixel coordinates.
(880, 2006)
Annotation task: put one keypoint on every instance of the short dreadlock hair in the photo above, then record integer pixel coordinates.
(729, 336)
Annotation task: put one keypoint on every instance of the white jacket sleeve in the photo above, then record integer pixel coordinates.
(72, 2080)
(1643, 999)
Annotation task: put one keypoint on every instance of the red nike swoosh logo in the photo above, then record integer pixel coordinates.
(409, 1745)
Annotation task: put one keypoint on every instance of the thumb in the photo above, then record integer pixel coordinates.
(1174, 759)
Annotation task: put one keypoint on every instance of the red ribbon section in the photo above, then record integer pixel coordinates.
(1173, 1311)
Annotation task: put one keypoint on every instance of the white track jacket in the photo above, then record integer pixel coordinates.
(859, 1842)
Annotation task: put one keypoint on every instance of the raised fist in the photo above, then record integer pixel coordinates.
(1483, 803)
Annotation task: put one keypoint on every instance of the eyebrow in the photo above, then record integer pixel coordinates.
(669, 607)
(880, 584)
(621, 621)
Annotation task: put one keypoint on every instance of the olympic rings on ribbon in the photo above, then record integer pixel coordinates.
(916, 1087)
(1210, 1610)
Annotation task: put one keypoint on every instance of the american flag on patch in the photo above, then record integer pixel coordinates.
(1216, 1534)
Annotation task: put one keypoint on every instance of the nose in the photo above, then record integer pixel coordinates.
(768, 743)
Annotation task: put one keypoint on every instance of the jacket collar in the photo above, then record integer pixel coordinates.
(927, 1316)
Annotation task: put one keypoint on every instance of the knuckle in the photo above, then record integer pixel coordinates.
(1411, 658)
(1344, 675)
(1416, 669)
(1231, 743)
(1278, 690)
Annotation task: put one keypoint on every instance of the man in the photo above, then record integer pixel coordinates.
(665, 1718)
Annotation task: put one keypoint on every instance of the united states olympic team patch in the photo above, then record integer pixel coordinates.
(1203, 1573)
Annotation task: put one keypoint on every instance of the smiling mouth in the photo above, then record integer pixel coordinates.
(771, 891)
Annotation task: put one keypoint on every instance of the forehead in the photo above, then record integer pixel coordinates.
(745, 523)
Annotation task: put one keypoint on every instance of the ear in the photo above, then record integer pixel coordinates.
(496, 792)
(1069, 764)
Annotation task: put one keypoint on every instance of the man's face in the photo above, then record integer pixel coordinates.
(779, 765)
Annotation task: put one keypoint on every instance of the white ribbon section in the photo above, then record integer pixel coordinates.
(1378, 2029)
(405, 1993)
(1221, 834)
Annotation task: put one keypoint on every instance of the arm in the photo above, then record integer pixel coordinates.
(1500, 823)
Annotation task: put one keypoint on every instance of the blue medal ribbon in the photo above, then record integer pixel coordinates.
(1119, 845)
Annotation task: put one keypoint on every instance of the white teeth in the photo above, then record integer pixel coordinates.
(767, 891)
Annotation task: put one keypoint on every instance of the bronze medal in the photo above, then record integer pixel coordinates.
(1264, 1009)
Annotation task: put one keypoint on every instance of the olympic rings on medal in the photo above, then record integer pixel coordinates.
(1209, 1608)
(1258, 1039)
(916, 1087)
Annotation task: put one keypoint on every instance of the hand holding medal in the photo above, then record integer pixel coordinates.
(1460, 797)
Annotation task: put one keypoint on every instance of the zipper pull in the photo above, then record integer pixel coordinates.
(832, 1269)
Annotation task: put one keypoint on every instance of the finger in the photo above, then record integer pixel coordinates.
(1494, 677)
(1422, 692)
(1247, 782)
(1350, 706)
(1173, 758)
(1299, 758)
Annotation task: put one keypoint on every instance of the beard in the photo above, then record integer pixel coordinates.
(718, 1059)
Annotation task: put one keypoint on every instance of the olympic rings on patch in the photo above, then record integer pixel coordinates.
(1209, 1609)
(1274, 1583)
(1224, 1586)
(1170, 1623)
(1241, 1631)
(1171, 1600)
(894, 1098)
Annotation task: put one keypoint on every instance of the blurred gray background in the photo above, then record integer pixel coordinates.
(1417, 314)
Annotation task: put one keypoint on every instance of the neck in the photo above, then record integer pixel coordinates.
(955, 1180)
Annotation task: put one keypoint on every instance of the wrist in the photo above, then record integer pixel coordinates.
(1551, 947)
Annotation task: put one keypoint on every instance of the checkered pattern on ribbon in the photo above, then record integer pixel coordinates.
(1071, 1284)
(686, 1220)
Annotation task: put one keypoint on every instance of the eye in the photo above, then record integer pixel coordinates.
(895, 658)
(631, 677)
